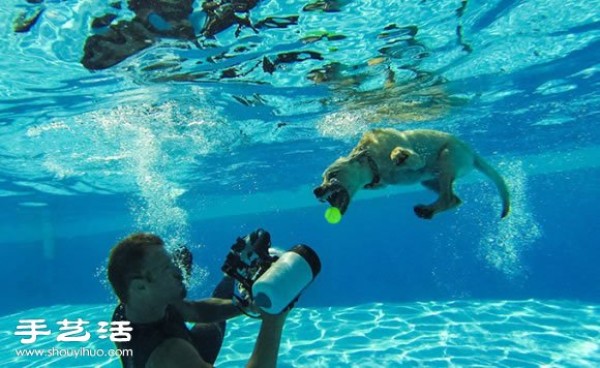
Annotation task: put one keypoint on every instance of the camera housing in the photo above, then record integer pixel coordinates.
(271, 282)
(247, 260)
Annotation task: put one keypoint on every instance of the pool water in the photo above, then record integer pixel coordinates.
(527, 333)
(203, 139)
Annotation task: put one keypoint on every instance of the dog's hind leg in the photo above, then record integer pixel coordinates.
(446, 200)
(432, 184)
(443, 185)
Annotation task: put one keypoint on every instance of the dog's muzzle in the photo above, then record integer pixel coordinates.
(334, 193)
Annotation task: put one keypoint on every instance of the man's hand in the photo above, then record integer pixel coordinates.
(183, 259)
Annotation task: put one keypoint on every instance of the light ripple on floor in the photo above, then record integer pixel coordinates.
(528, 333)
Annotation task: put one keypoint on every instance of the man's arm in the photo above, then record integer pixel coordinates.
(207, 310)
(178, 353)
(266, 348)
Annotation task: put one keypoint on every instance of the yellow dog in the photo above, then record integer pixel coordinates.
(388, 156)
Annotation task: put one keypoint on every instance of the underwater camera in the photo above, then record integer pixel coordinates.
(272, 281)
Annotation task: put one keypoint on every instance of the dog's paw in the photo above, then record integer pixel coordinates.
(424, 212)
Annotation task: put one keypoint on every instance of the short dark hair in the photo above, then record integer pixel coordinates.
(125, 261)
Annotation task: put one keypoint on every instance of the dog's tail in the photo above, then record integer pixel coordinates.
(490, 172)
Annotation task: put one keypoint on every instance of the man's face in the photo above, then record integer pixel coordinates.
(164, 278)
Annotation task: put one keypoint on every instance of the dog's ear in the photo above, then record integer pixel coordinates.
(408, 158)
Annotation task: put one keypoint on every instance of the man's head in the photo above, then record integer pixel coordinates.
(141, 269)
(342, 179)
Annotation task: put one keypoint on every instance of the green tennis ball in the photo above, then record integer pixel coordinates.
(333, 215)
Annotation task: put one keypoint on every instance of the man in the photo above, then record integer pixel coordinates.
(150, 288)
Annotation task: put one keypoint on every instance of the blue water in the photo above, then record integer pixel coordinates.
(525, 333)
(163, 142)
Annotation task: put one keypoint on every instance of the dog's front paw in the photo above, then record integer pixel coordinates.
(424, 212)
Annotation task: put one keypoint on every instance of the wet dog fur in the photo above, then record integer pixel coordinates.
(392, 157)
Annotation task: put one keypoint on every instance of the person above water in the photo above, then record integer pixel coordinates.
(150, 288)
(115, 42)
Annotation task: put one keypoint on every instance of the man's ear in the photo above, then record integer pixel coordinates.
(137, 286)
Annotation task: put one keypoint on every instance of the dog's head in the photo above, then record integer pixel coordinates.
(342, 179)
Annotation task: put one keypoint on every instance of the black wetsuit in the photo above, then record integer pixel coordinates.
(145, 337)
(207, 338)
